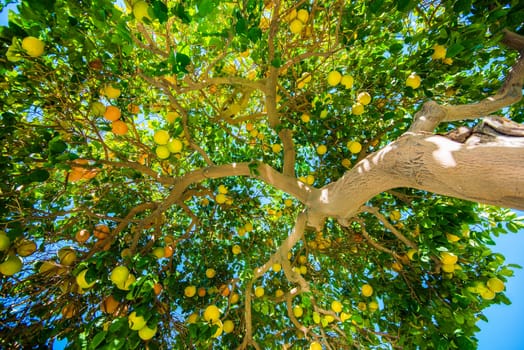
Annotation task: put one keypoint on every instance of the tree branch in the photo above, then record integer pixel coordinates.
(431, 163)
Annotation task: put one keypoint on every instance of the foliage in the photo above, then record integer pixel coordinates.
(228, 79)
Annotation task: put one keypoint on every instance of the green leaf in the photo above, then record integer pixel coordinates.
(181, 13)
(454, 49)
(57, 146)
(160, 11)
(375, 5)
(205, 7)
(403, 5)
(241, 26)
(97, 339)
(462, 6)
(39, 175)
(179, 62)
(254, 34)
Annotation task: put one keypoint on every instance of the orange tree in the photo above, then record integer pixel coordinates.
(257, 174)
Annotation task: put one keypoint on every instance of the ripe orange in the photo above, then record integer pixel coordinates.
(109, 305)
(119, 127)
(82, 236)
(112, 113)
(224, 290)
(201, 292)
(157, 288)
(168, 251)
(68, 311)
(133, 108)
(101, 231)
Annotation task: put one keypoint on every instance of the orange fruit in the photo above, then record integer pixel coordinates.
(133, 108)
(119, 127)
(201, 292)
(224, 290)
(157, 288)
(101, 231)
(68, 311)
(112, 113)
(168, 251)
(109, 305)
(82, 236)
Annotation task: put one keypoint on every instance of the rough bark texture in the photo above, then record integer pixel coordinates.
(487, 169)
(484, 164)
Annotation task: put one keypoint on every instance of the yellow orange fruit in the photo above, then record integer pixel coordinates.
(162, 152)
(495, 284)
(336, 306)
(367, 290)
(25, 248)
(161, 137)
(439, 52)
(413, 80)
(13, 264)
(448, 258)
(127, 284)
(228, 326)
(373, 306)
(5, 242)
(321, 149)
(212, 313)
(334, 77)
(146, 333)
(119, 274)
(175, 146)
(82, 282)
(357, 109)
(171, 116)
(135, 321)
(364, 98)
(33, 46)
(296, 26)
(141, 10)
(210, 273)
(67, 256)
(190, 291)
(298, 311)
(236, 249)
(347, 81)
(315, 346)
(259, 292)
(110, 92)
(354, 147)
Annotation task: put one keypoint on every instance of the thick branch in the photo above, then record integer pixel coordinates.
(259, 171)
(486, 171)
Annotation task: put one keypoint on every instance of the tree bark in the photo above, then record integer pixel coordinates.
(487, 168)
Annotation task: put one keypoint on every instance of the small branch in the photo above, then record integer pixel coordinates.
(389, 226)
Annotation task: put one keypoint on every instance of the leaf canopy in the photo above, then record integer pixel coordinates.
(229, 80)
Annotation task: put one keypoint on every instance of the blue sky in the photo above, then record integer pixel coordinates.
(505, 329)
